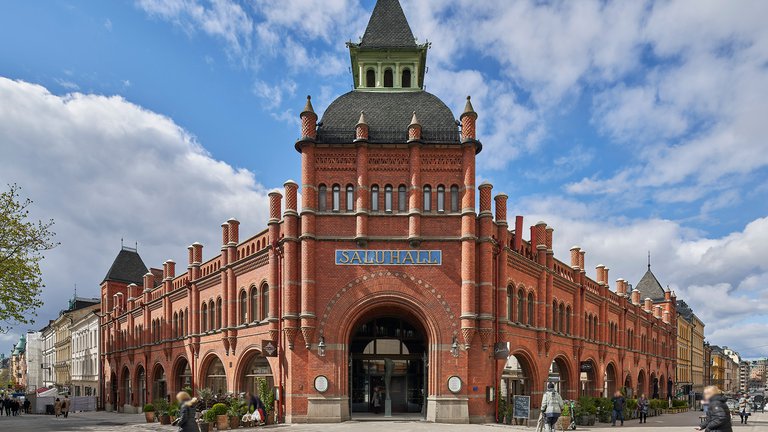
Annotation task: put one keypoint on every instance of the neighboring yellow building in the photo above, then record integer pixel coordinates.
(78, 308)
(690, 353)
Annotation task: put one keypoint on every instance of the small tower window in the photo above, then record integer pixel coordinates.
(336, 197)
(405, 82)
(401, 199)
(388, 78)
(441, 198)
(350, 198)
(322, 193)
(388, 198)
(427, 198)
(374, 198)
(370, 78)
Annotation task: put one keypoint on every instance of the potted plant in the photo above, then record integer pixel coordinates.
(502, 407)
(209, 417)
(585, 412)
(564, 422)
(162, 409)
(149, 413)
(509, 415)
(173, 411)
(219, 410)
(235, 411)
(267, 396)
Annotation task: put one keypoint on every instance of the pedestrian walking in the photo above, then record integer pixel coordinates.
(57, 407)
(186, 421)
(618, 408)
(65, 405)
(27, 404)
(259, 407)
(15, 407)
(551, 406)
(745, 408)
(376, 400)
(718, 416)
(642, 408)
(7, 406)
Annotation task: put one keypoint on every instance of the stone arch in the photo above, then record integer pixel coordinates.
(561, 364)
(181, 372)
(244, 378)
(140, 385)
(159, 382)
(611, 379)
(641, 383)
(590, 387)
(126, 390)
(213, 365)
(628, 389)
(520, 375)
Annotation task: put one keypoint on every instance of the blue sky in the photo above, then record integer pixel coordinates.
(628, 126)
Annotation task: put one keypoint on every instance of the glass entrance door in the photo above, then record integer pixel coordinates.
(387, 356)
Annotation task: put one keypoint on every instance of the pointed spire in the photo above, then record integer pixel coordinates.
(308, 107)
(649, 260)
(468, 108)
(362, 120)
(414, 121)
(388, 27)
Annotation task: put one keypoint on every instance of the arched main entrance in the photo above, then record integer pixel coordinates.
(113, 391)
(630, 392)
(588, 378)
(641, 384)
(559, 374)
(127, 391)
(387, 371)
(215, 376)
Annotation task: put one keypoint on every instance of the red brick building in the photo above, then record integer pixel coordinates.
(388, 277)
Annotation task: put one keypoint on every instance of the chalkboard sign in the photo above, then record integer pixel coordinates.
(522, 406)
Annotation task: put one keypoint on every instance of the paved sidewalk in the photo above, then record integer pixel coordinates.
(112, 422)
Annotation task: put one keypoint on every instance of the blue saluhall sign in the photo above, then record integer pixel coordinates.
(389, 257)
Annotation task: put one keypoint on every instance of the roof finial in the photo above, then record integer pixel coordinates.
(121, 242)
(362, 120)
(649, 260)
(414, 120)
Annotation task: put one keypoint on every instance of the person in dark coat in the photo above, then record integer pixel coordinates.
(256, 402)
(718, 415)
(27, 404)
(186, 421)
(618, 408)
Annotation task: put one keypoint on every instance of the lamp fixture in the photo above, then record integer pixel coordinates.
(455, 347)
(321, 347)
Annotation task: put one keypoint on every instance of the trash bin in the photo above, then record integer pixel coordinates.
(49, 410)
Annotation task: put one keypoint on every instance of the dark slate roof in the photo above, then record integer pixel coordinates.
(388, 116)
(650, 287)
(127, 267)
(388, 27)
(684, 310)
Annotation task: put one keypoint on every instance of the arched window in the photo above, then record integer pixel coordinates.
(322, 196)
(427, 198)
(554, 317)
(588, 332)
(402, 199)
(350, 198)
(175, 325)
(254, 304)
(441, 198)
(370, 78)
(562, 318)
(265, 301)
(336, 198)
(388, 78)
(211, 316)
(243, 307)
(531, 305)
(568, 320)
(375, 198)
(520, 306)
(405, 81)
(186, 322)
(454, 199)
(597, 335)
(204, 318)
(216, 377)
(510, 306)
(388, 198)
(218, 313)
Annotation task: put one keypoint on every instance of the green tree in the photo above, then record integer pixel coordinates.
(22, 243)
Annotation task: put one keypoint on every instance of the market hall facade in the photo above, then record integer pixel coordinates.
(397, 277)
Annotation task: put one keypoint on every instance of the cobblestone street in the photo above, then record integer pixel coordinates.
(106, 422)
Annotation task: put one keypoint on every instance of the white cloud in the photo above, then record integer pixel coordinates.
(105, 168)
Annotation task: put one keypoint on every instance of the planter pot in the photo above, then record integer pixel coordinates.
(204, 427)
(149, 417)
(222, 422)
(165, 419)
(234, 422)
